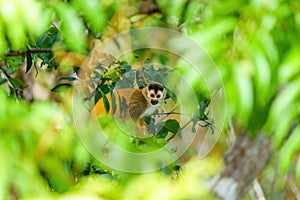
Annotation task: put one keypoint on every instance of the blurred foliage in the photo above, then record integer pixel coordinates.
(253, 43)
(50, 154)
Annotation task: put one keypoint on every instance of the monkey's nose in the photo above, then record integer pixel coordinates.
(154, 102)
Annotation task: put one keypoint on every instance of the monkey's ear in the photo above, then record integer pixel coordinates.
(165, 94)
(145, 91)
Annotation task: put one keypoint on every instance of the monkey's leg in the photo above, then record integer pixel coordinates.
(140, 130)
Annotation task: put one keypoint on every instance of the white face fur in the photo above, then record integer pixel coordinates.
(156, 93)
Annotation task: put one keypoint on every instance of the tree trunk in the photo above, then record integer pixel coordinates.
(244, 162)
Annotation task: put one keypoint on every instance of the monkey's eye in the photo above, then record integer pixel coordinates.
(158, 96)
(152, 95)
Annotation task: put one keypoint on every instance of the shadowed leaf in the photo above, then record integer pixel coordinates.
(61, 87)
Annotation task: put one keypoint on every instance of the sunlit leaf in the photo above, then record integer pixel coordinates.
(289, 69)
(262, 77)
(214, 31)
(10, 11)
(284, 100)
(290, 148)
(35, 25)
(245, 94)
(173, 10)
(58, 180)
(282, 126)
(72, 27)
(93, 13)
(3, 43)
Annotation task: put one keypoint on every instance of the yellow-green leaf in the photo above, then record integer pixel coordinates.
(93, 13)
(72, 27)
(290, 148)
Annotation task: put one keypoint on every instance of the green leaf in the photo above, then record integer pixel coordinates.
(93, 13)
(113, 101)
(163, 59)
(58, 180)
(68, 78)
(245, 95)
(98, 96)
(172, 126)
(2, 80)
(14, 27)
(202, 108)
(72, 28)
(262, 76)
(14, 63)
(162, 133)
(105, 100)
(49, 38)
(213, 31)
(147, 119)
(29, 62)
(283, 101)
(61, 87)
(170, 94)
(3, 42)
(289, 150)
(282, 127)
(126, 67)
(289, 69)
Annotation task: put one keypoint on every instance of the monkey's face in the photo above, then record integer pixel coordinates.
(155, 93)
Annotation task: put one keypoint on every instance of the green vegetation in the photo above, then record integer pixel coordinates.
(254, 45)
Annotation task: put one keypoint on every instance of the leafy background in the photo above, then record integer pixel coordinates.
(254, 45)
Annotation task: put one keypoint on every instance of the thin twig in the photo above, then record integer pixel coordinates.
(18, 91)
(294, 188)
(232, 134)
(177, 113)
(186, 124)
(192, 116)
(7, 76)
(4, 72)
(258, 190)
(159, 120)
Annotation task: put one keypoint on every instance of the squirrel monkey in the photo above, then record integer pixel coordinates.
(132, 103)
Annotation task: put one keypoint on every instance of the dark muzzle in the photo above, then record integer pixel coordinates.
(154, 102)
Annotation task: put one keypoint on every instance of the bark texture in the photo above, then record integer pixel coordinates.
(244, 162)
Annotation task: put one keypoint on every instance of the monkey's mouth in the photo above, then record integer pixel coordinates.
(154, 102)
